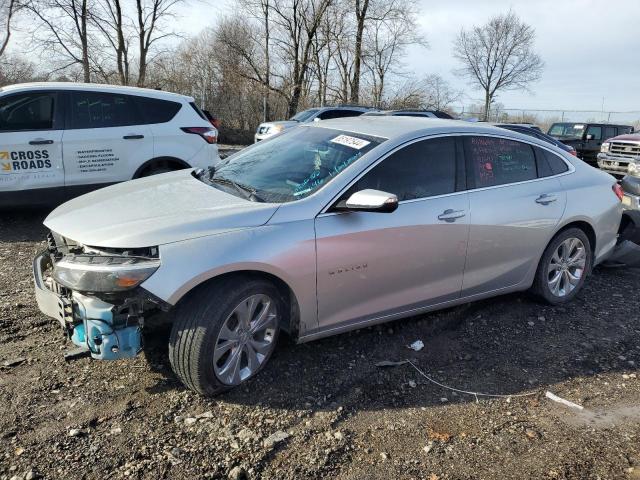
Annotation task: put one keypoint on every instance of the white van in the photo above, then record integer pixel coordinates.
(59, 140)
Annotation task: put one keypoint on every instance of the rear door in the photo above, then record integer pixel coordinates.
(30, 142)
(105, 140)
(514, 209)
(370, 265)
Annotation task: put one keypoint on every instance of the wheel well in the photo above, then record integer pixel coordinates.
(586, 228)
(291, 319)
(171, 162)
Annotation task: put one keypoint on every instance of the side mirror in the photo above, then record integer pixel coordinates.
(589, 136)
(370, 201)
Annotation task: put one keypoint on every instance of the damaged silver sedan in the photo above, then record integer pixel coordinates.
(329, 227)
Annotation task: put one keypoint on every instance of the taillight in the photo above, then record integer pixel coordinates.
(617, 189)
(208, 134)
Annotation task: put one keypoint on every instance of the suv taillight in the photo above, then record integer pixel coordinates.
(617, 189)
(208, 134)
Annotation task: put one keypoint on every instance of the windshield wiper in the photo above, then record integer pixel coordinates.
(246, 191)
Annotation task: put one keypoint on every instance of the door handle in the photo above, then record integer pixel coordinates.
(40, 142)
(545, 199)
(133, 137)
(451, 215)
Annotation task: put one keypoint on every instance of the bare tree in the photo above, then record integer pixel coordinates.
(63, 28)
(393, 28)
(8, 9)
(498, 56)
(150, 18)
(112, 21)
(438, 93)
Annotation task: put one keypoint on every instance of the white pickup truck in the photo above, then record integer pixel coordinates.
(59, 140)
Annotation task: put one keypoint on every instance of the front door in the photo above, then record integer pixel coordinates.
(30, 144)
(372, 265)
(105, 141)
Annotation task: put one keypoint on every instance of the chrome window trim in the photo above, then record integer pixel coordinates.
(570, 166)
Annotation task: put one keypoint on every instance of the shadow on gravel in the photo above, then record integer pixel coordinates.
(507, 345)
(24, 225)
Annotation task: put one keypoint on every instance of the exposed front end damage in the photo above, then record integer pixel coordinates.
(105, 325)
(627, 250)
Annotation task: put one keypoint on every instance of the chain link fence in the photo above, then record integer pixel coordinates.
(544, 118)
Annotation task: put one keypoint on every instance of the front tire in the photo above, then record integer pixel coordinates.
(224, 334)
(564, 267)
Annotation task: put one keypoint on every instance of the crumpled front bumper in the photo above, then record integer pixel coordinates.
(91, 323)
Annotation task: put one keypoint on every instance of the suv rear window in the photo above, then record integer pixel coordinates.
(154, 110)
(102, 110)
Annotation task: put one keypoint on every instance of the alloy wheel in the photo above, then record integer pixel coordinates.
(246, 339)
(566, 267)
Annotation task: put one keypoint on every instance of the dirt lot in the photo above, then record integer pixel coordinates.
(323, 409)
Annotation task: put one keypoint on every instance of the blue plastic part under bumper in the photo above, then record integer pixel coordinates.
(97, 332)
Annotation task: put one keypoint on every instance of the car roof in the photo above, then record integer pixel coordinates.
(597, 124)
(391, 127)
(146, 92)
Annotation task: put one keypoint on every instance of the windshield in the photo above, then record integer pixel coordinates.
(304, 115)
(566, 130)
(293, 165)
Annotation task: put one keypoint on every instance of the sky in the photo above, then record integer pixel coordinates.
(591, 48)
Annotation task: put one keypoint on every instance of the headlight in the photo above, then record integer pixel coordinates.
(100, 273)
(605, 147)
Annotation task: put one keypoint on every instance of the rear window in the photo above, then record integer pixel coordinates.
(154, 110)
(102, 110)
(498, 161)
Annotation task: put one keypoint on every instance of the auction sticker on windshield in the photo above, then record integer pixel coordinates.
(349, 141)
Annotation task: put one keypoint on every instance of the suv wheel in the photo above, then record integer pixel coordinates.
(564, 267)
(224, 334)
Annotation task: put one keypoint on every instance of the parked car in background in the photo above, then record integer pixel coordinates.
(620, 155)
(59, 140)
(534, 131)
(411, 113)
(329, 227)
(586, 137)
(269, 129)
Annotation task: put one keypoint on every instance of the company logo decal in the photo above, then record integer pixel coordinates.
(24, 161)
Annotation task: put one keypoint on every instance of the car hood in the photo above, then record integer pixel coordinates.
(629, 137)
(153, 211)
(283, 123)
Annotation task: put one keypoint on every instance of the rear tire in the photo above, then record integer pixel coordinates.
(564, 267)
(224, 333)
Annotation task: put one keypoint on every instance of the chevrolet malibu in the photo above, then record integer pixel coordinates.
(329, 227)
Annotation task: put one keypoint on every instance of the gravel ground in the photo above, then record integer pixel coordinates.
(324, 409)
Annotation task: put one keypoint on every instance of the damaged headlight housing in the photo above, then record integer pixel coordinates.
(101, 273)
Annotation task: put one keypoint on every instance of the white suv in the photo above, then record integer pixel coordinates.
(59, 140)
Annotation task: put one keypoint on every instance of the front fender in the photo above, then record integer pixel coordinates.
(285, 251)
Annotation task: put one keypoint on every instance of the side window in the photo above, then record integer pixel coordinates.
(154, 110)
(624, 130)
(29, 111)
(329, 114)
(497, 161)
(549, 163)
(102, 110)
(422, 169)
(595, 131)
(609, 132)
